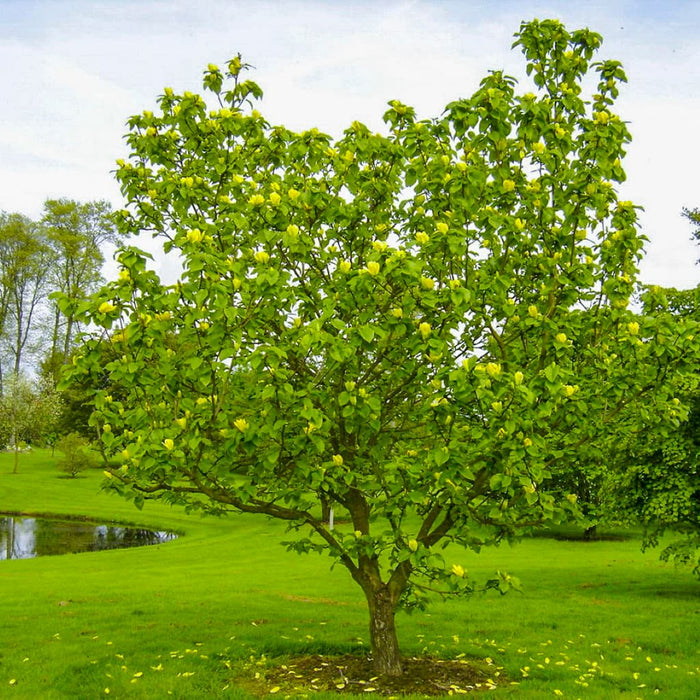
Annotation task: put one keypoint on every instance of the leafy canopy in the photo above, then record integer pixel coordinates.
(417, 328)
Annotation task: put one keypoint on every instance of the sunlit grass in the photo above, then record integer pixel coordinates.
(196, 617)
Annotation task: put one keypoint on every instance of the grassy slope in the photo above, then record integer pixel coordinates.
(171, 620)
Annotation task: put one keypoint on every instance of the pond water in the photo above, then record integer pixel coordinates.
(25, 538)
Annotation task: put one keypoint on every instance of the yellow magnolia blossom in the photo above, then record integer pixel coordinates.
(425, 329)
(520, 224)
(373, 268)
(182, 422)
(442, 227)
(493, 369)
(241, 424)
(379, 246)
(518, 378)
(413, 545)
(538, 148)
(274, 199)
(527, 442)
(292, 193)
(124, 275)
(262, 256)
(508, 185)
(256, 200)
(345, 265)
(293, 230)
(422, 237)
(458, 570)
(561, 337)
(427, 283)
(633, 328)
(106, 307)
(397, 312)
(168, 443)
(570, 390)
(195, 235)
(337, 460)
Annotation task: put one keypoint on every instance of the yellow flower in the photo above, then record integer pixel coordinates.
(292, 193)
(275, 199)
(168, 443)
(508, 185)
(493, 369)
(256, 200)
(293, 230)
(442, 227)
(106, 307)
(497, 406)
(373, 268)
(397, 312)
(570, 390)
(538, 148)
(427, 283)
(518, 378)
(561, 337)
(182, 422)
(242, 424)
(337, 460)
(519, 224)
(345, 266)
(422, 237)
(602, 117)
(425, 329)
(262, 257)
(124, 275)
(533, 311)
(194, 235)
(633, 328)
(379, 246)
(348, 156)
(458, 570)
(527, 442)
(413, 545)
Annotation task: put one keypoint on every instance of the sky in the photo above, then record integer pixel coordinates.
(73, 71)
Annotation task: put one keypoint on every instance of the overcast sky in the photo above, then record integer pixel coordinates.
(73, 71)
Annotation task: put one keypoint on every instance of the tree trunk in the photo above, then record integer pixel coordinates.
(386, 658)
(590, 533)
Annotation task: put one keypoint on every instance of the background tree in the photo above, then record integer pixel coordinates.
(24, 269)
(430, 322)
(656, 480)
(77, 234)
(26, 409)
(693, 216)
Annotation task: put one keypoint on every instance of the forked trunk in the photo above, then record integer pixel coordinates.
(386, 658)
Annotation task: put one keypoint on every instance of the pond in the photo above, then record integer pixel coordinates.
(25, 537)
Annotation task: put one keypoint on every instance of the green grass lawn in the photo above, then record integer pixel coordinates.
(196, 617)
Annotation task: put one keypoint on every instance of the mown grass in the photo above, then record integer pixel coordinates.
(197, 616)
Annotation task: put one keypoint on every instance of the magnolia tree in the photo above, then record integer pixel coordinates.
(416, 328)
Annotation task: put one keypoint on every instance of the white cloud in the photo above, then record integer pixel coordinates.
(78, 69)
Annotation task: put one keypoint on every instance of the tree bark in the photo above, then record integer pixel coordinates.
(386, 657)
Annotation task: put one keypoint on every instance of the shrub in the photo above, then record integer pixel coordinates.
(77, 457)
